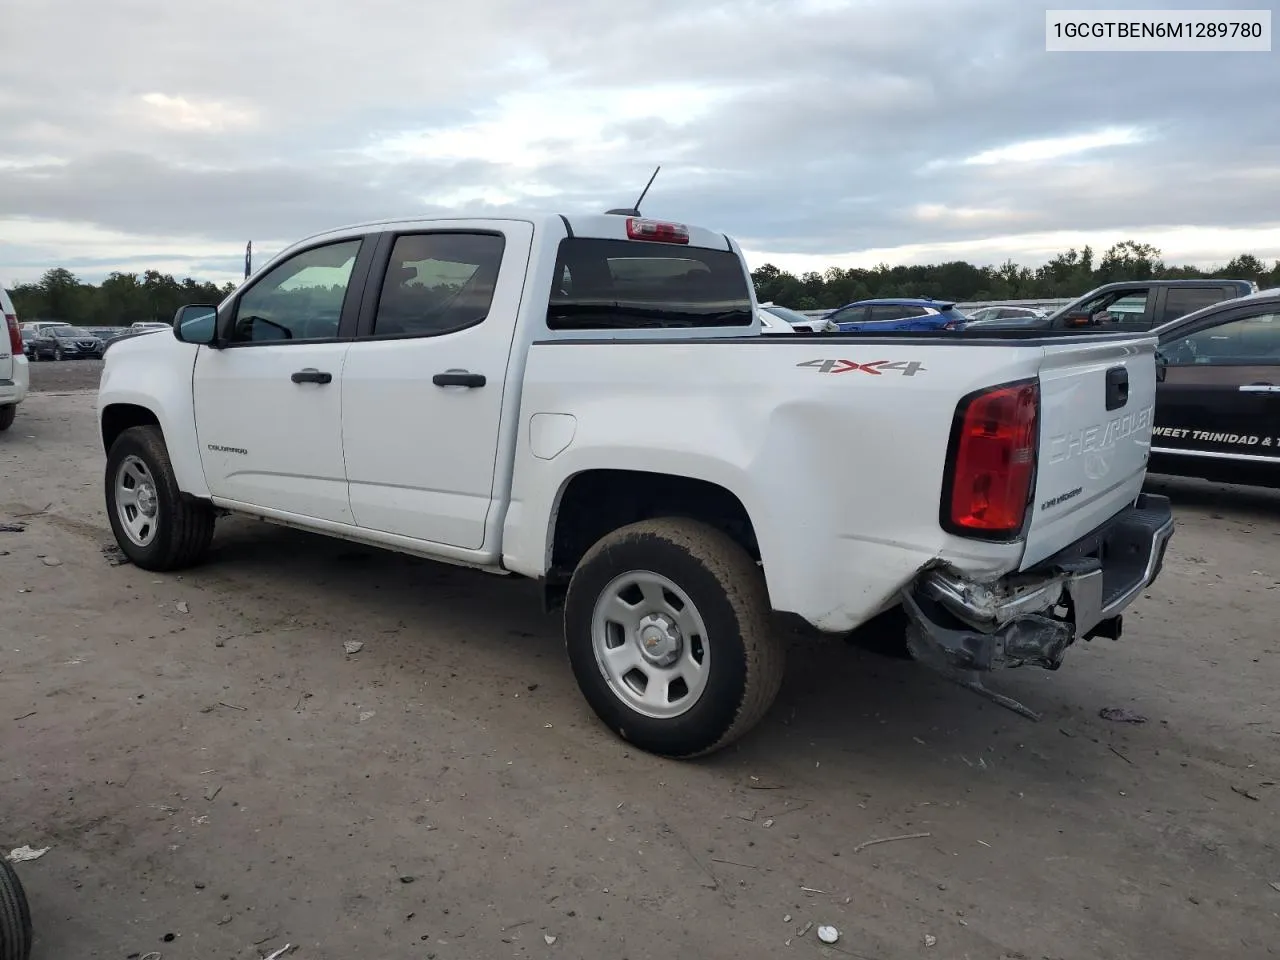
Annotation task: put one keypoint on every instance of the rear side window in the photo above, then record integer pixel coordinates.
(630, 285)
(1179, 301)
(438, 283)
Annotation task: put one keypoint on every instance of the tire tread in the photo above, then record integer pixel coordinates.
(743, 584)
(190, 526)
(15, 916)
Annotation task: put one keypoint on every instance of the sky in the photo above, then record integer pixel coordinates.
(141, 134)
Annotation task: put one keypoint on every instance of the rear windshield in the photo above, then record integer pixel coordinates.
(627, 285)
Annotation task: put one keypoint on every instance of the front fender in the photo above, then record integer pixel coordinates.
(154, 373)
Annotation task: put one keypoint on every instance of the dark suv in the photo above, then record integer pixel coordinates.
(65, 343)
(1133, 305)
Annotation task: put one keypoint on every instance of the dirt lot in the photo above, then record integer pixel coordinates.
(216, 778)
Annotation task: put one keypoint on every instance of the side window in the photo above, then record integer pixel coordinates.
(1115, 306)
(438, 283)
(848, 315)
(300, 299)
(1179, 301)
(887, 311)
(1247, 340)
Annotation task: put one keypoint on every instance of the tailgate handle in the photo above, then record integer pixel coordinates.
(1117, 388)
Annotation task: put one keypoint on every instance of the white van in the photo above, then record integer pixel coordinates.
(13, 364)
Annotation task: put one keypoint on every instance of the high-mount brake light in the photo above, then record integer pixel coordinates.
(656, 231)
(15, 334)
(992, 462)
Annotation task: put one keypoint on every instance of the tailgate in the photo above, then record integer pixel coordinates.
(1097, 401)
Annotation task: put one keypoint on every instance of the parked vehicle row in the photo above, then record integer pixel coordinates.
(658, 512)
(63, 342)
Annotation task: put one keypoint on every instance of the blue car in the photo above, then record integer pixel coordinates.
(884, 316)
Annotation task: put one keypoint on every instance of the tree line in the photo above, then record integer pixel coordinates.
(119, 300)
(125, 298)
(1067, 275)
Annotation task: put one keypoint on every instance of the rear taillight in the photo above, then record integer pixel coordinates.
(656, 231)
(992, 462)
(15, 335)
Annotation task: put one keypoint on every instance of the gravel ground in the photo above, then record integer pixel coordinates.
(52, 376)
(216, 778)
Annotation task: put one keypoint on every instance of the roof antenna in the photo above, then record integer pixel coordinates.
(635, 211)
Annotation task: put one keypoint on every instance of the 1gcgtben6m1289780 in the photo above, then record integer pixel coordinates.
(587, 400)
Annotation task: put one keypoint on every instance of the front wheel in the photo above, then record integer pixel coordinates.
(156, 527)
(15, 916)
(669, 633)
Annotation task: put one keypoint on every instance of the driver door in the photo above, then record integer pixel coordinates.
(268, 404)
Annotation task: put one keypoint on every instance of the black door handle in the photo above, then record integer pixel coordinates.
(1117, 388)
(311, 375)
(458, 378)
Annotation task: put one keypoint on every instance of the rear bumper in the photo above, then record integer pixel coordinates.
(1033, 617)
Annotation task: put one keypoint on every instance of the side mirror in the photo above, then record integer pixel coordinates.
(196, 323)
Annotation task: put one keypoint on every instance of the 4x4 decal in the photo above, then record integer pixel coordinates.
(908, 368)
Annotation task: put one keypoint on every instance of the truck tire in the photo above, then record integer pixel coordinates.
(156, 526)
(7, 413)
(15, 916)
(676, 607)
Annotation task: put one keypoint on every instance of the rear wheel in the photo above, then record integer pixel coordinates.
(7, 413)
(156, 526)
(15, 916)
(668, 629)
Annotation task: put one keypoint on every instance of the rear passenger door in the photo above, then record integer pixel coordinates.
(424, 383)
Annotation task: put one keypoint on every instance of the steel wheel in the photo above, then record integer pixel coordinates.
(650, 643)
(137, 500)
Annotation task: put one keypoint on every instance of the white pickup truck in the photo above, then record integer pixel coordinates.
(588, 401)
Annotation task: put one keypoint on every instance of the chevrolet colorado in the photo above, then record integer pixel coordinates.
(588, 400)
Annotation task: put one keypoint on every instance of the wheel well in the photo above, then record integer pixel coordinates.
(599, 501)
(119, 417)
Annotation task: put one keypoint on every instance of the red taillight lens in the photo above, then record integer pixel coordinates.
(657, 231)
(993, 463)
(15, 335)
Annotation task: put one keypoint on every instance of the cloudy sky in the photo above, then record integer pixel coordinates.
(163, 134)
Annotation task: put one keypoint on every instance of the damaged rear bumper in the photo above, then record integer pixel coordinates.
(1033, 617)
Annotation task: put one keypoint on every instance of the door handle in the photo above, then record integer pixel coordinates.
(311, 375)
(1259, 388)
(1117, 389)
(458, 378)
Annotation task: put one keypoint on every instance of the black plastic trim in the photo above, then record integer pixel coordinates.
(568, 227)
(949, 469)
(378, 274)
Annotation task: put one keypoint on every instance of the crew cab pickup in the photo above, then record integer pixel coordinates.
(587, 400)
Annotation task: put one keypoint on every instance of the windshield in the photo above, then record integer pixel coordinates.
(70, 333)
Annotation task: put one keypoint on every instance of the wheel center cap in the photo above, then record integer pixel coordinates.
(659, 639)
(147, 500)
